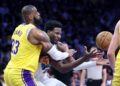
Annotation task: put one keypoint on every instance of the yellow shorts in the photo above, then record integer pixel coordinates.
(19, 77)
(116, 80)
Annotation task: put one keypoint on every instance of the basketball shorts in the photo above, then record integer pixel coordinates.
(19, 77)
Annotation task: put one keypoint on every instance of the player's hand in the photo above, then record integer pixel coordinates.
(71, 52)
(103, 62)
(92, 54)
(62, 46)
(85, 50)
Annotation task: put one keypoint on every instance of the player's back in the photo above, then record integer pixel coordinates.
(24, 55)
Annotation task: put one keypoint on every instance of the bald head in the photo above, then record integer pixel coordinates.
(29, 12)
(26, 10)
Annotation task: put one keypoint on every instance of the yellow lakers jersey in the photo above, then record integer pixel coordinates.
(118, 57)
(24, 55)
(118, 54)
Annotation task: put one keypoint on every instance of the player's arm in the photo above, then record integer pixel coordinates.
(69, 66)
(82, 77)
(63, 68)
(69, 59)
(104, 77)
(114, 45)
(37, 37)
(64, 47)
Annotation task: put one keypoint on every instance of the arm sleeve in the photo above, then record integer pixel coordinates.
(85, 65)
(57, 55)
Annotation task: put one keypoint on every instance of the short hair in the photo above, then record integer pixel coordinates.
(51, 24)
(27, 10)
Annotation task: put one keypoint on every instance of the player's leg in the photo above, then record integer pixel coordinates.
(18, 77)
(7, 78)
(28, 78)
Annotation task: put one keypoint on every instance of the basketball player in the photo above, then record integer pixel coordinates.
(54, 31)
(111, 55)
(27, 43)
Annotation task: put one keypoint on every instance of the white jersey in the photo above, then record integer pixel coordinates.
(41, 74)
(43, 78)
(94, 72)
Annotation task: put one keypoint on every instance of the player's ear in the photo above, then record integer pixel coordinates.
(49, 32)
(30, 16)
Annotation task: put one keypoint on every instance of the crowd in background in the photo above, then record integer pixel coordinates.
(82, 20)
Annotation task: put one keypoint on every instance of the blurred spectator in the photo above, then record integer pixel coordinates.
(96, 75)
(75, 81)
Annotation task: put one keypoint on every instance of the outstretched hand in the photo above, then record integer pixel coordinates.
(92, 54)
(86, 50)
(102, 61)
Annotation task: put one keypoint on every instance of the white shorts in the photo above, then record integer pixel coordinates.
(53, 82)
(39, 83)
(43, 79)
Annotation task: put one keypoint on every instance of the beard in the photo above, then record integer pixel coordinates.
(38, 22)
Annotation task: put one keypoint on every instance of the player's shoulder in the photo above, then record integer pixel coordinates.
(118, 23)
(117, 26)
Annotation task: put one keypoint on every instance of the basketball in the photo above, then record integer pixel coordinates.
(103, 40)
